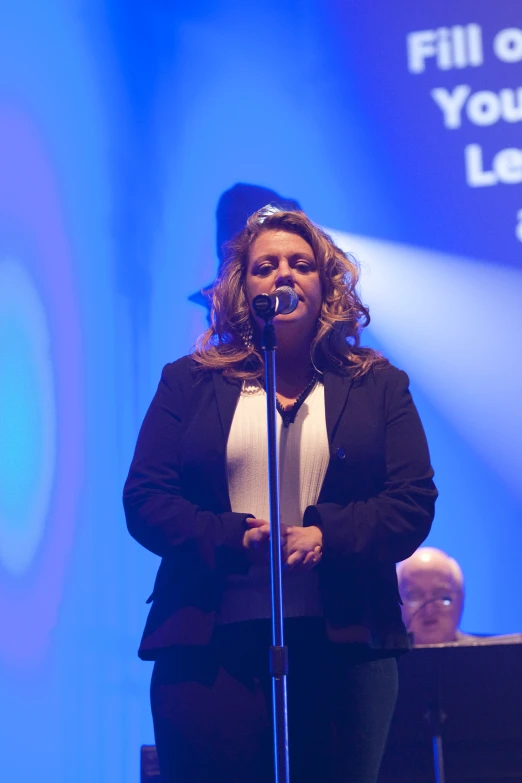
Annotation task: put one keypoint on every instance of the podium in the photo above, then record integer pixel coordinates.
(460, 703)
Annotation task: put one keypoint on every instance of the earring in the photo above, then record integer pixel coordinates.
(247, 334)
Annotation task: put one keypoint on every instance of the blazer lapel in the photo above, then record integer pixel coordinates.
(227, 392)
(336, 390)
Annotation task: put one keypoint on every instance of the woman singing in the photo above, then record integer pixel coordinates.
(357, 496)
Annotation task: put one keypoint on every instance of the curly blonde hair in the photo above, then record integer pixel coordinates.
(343, 316)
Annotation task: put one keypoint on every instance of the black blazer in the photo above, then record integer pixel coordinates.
(375, 507)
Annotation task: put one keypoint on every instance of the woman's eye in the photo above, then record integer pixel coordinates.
(264, 270)
(303, 266)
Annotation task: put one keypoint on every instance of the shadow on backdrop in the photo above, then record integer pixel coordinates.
(234, 207)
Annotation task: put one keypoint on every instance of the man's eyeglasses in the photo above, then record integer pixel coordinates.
(419, 603)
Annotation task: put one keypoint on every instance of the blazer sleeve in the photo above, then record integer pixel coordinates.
(157, 514)
(392, 524)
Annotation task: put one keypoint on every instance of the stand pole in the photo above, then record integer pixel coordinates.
(278, 652)
(438, 758)
(436, 717)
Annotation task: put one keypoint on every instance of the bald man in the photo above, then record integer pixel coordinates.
(431, 585)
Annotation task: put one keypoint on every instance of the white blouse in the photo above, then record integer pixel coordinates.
(303, 460)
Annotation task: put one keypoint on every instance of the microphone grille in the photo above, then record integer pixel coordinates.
(289, 299)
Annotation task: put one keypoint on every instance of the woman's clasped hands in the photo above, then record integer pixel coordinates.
(301, 547)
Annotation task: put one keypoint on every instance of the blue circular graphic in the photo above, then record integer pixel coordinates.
(27, 418)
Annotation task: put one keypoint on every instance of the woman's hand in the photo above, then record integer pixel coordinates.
(257, 540)
(302, 546)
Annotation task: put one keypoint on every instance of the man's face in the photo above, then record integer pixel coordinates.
(435, 622)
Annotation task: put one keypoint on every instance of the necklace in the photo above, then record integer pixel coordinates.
(288, 414)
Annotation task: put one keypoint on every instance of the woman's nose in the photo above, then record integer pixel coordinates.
(285, 275)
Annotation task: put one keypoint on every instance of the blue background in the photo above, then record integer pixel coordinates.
(121, 124)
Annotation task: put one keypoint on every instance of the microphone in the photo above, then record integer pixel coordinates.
(282, 301)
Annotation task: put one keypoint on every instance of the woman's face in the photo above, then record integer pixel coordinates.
(279, 258)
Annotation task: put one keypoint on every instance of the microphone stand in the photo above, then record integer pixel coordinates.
(278, 651)
(434, 715)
